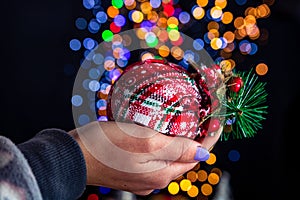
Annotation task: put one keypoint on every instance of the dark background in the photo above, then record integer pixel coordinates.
(36, 90)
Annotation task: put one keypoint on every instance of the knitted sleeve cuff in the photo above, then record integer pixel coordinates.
(57, 163)
(17, 180)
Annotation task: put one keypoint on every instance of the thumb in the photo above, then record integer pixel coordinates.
(199, 151)
(192, 151)
(180, 149)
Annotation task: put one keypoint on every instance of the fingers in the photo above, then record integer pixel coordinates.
(191, 151)
(131, 154)
(155, 146)
(143, 192)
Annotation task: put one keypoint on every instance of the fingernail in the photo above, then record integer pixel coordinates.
(201, 154)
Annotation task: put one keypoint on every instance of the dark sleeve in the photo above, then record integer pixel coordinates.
(57, 163)
(17, 180)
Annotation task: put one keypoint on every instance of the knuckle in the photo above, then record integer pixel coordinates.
(146, 146)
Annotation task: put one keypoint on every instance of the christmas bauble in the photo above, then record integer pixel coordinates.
(163, 96)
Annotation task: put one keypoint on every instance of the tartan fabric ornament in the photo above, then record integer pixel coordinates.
(163, 96)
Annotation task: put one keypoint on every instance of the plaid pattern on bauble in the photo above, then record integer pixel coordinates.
(162, 96)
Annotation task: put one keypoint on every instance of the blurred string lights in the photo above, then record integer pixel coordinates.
(228, 30)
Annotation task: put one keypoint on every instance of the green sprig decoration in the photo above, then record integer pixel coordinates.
(245, 109)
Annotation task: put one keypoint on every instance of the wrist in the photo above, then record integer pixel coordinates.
(88, 158)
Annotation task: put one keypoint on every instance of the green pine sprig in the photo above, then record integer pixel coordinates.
(246, 109)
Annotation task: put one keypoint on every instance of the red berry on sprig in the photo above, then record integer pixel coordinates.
(235, 83)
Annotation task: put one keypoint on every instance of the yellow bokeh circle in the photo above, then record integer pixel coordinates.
(173, 188)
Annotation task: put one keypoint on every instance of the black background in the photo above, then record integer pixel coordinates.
(36, 92)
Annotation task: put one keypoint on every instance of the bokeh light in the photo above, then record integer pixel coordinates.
(81, 23)
(213, 178)
(261, 69)
(234, 155)
(212, 159)
(88, 4)
(83, 119)
(107, 35)
(193, 191)
(101, 17)
(76, 100)
(202, 175)
(104, 190)
(75, 44)
(185, 184)
(206, 189)
(173, 188)
(192, 176)
(93, 197)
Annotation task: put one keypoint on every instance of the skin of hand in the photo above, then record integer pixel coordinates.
(134, 158)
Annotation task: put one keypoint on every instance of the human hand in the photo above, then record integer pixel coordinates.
(134, 158)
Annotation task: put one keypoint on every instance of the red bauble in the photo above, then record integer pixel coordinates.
(162, 96)
(235, 84)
